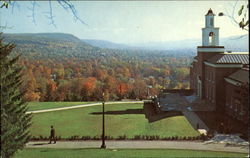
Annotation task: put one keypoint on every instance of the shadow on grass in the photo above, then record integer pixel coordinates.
(148, 109)
(237, 145)
(121, 112)
(36, 144)
(152, 115)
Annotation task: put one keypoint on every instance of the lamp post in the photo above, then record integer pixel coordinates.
(103, 146)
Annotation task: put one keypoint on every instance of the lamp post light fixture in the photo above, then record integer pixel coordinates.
(103, 146)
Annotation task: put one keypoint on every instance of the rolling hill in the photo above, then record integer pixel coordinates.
(233, 43)
(47, 45)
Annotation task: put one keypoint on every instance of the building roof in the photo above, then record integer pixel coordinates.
(242, 75)
(228, 58)
(210, 12)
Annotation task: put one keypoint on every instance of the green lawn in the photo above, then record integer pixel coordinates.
(50, 105)
(120, 153)
(126, 120)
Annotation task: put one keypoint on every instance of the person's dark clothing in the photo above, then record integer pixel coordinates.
(52, 132)
(52, 135)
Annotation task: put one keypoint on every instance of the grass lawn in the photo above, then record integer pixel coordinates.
(120, 153)
(126, 119)
(50, 105)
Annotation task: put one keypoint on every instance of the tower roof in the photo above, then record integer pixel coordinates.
(210, 12)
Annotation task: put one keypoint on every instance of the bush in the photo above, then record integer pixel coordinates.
(122, 137)
(96, 138)
(137, 137)
(86, 138)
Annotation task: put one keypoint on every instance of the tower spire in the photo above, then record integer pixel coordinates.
(210, 34)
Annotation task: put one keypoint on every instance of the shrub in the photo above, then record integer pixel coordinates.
(137, 137)
(122, 137)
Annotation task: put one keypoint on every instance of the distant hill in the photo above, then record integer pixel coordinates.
(27, 38)
(49, 45)
(234, 43)
(106, 44)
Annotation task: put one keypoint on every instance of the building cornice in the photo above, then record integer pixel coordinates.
(211, 49)
(223, 65)
(233, 82)
(195, 60)
(210, 28)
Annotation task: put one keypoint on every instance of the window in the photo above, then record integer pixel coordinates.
(209, 96)
(231, 103)
(211, 22)
(211, 36)
(212, 94)
(237, 104)
(207, 91)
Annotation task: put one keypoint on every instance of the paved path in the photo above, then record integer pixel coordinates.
(80, 106)
(193, 145)
(180, 103)
(194, 120)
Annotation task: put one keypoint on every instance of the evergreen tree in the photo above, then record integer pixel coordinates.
(14, 121)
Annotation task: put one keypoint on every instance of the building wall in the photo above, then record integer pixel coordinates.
(233, 106)
(220, 96)
(193, 77)
(200, 69)
(210, 86)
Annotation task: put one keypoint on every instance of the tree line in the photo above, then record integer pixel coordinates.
(74, 79)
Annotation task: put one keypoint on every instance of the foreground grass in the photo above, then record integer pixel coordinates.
(50, 105)
(120, 153)
(82, 122)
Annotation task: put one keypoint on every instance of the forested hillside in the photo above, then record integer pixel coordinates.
(61, 67)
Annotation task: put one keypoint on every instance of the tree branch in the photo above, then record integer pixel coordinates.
(69, 6)
(65, 4)
(50, 15)
(32, 11)
(233, 19)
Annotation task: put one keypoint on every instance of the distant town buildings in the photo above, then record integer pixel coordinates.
(220, 78)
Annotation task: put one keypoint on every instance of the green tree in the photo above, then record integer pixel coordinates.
(14, 121)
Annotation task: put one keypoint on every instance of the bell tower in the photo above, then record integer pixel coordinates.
(210, 34)
(210, 47)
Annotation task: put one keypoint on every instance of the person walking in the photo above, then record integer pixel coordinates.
(52, 135)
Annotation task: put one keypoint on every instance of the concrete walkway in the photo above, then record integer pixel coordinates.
(180, 103)
(194, 120)
(81, 106)
(192, 145)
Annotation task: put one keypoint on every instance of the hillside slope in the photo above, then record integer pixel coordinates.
(49, 45)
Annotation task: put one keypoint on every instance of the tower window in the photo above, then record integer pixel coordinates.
(211, 22)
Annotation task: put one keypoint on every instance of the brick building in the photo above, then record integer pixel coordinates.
(217, 77)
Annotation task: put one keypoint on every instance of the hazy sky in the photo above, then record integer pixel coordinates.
(123, 21)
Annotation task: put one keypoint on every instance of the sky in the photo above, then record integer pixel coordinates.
(127, 22)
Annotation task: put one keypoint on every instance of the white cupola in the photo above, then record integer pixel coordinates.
(210, 34)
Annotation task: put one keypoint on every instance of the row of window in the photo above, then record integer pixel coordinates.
(210, 94)
(209, 76)
(234, 103)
